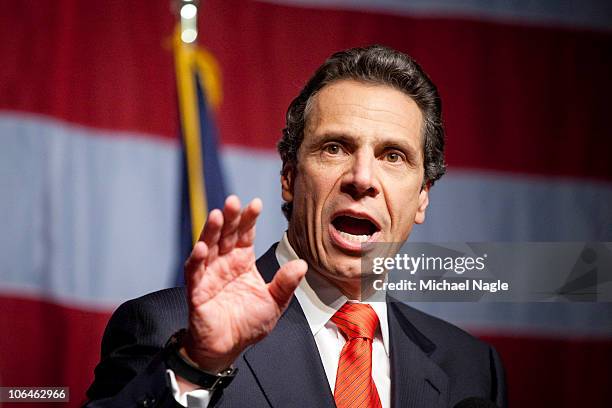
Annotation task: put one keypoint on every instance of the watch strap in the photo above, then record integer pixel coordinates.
(187, 370)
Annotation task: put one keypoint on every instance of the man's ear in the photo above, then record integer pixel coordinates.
(287, 178)
(419, 217)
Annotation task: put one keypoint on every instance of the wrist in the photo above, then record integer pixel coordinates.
(203, 360)
(187, 370)
(185, 385)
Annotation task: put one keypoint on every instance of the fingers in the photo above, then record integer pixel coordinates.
(212, 229)
(286, 280)
(232, 216)
(225, 230)
(246, 229)
(194, 264)
(220, 235)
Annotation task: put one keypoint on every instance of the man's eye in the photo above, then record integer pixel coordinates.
(393, 157)
(332, 148)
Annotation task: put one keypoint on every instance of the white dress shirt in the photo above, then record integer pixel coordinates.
(319, 301)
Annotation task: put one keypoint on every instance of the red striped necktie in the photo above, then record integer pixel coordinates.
(354, 384)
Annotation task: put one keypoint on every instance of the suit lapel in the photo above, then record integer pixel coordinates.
(416, 381)
(286, 363)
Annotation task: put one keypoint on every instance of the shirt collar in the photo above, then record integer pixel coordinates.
(320, 300)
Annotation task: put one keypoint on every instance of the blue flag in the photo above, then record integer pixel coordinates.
(212, 178)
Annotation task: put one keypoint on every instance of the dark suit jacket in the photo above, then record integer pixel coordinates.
(433, 363)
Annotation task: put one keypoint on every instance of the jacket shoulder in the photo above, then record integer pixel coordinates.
(135, 333)
(153, 316)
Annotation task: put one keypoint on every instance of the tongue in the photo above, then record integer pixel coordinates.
(353, 226)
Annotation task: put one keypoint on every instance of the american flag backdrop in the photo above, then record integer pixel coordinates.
(90, 174)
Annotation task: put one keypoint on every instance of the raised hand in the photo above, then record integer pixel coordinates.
(230, 305)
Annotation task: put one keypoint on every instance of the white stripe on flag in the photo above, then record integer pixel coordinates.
(484, 206)
(88, 216)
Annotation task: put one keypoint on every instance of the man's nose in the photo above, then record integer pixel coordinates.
(360, 180)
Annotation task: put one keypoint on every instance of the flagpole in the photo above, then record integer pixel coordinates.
(184, 54)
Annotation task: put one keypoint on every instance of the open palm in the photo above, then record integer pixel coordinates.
(230, 305)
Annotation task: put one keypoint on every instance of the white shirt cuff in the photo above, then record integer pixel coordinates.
(191, 399)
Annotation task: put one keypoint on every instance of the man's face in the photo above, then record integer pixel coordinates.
(358, 178)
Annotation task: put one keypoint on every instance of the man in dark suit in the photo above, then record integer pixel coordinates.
(362, 147)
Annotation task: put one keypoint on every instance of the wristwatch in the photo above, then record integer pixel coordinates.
(184, 368)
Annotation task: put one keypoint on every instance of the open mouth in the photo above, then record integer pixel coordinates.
(351, 231)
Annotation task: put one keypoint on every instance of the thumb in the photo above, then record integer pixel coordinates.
(286, 280)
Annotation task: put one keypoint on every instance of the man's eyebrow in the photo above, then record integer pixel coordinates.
(341, 136)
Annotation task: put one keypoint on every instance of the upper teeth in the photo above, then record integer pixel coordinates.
(354, 238)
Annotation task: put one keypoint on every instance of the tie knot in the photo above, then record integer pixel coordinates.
(356, 320)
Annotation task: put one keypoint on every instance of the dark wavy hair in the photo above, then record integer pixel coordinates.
(375, 64)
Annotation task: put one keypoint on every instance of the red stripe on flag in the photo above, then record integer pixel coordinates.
(45, 344)
(546, 372)
(100, 64)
